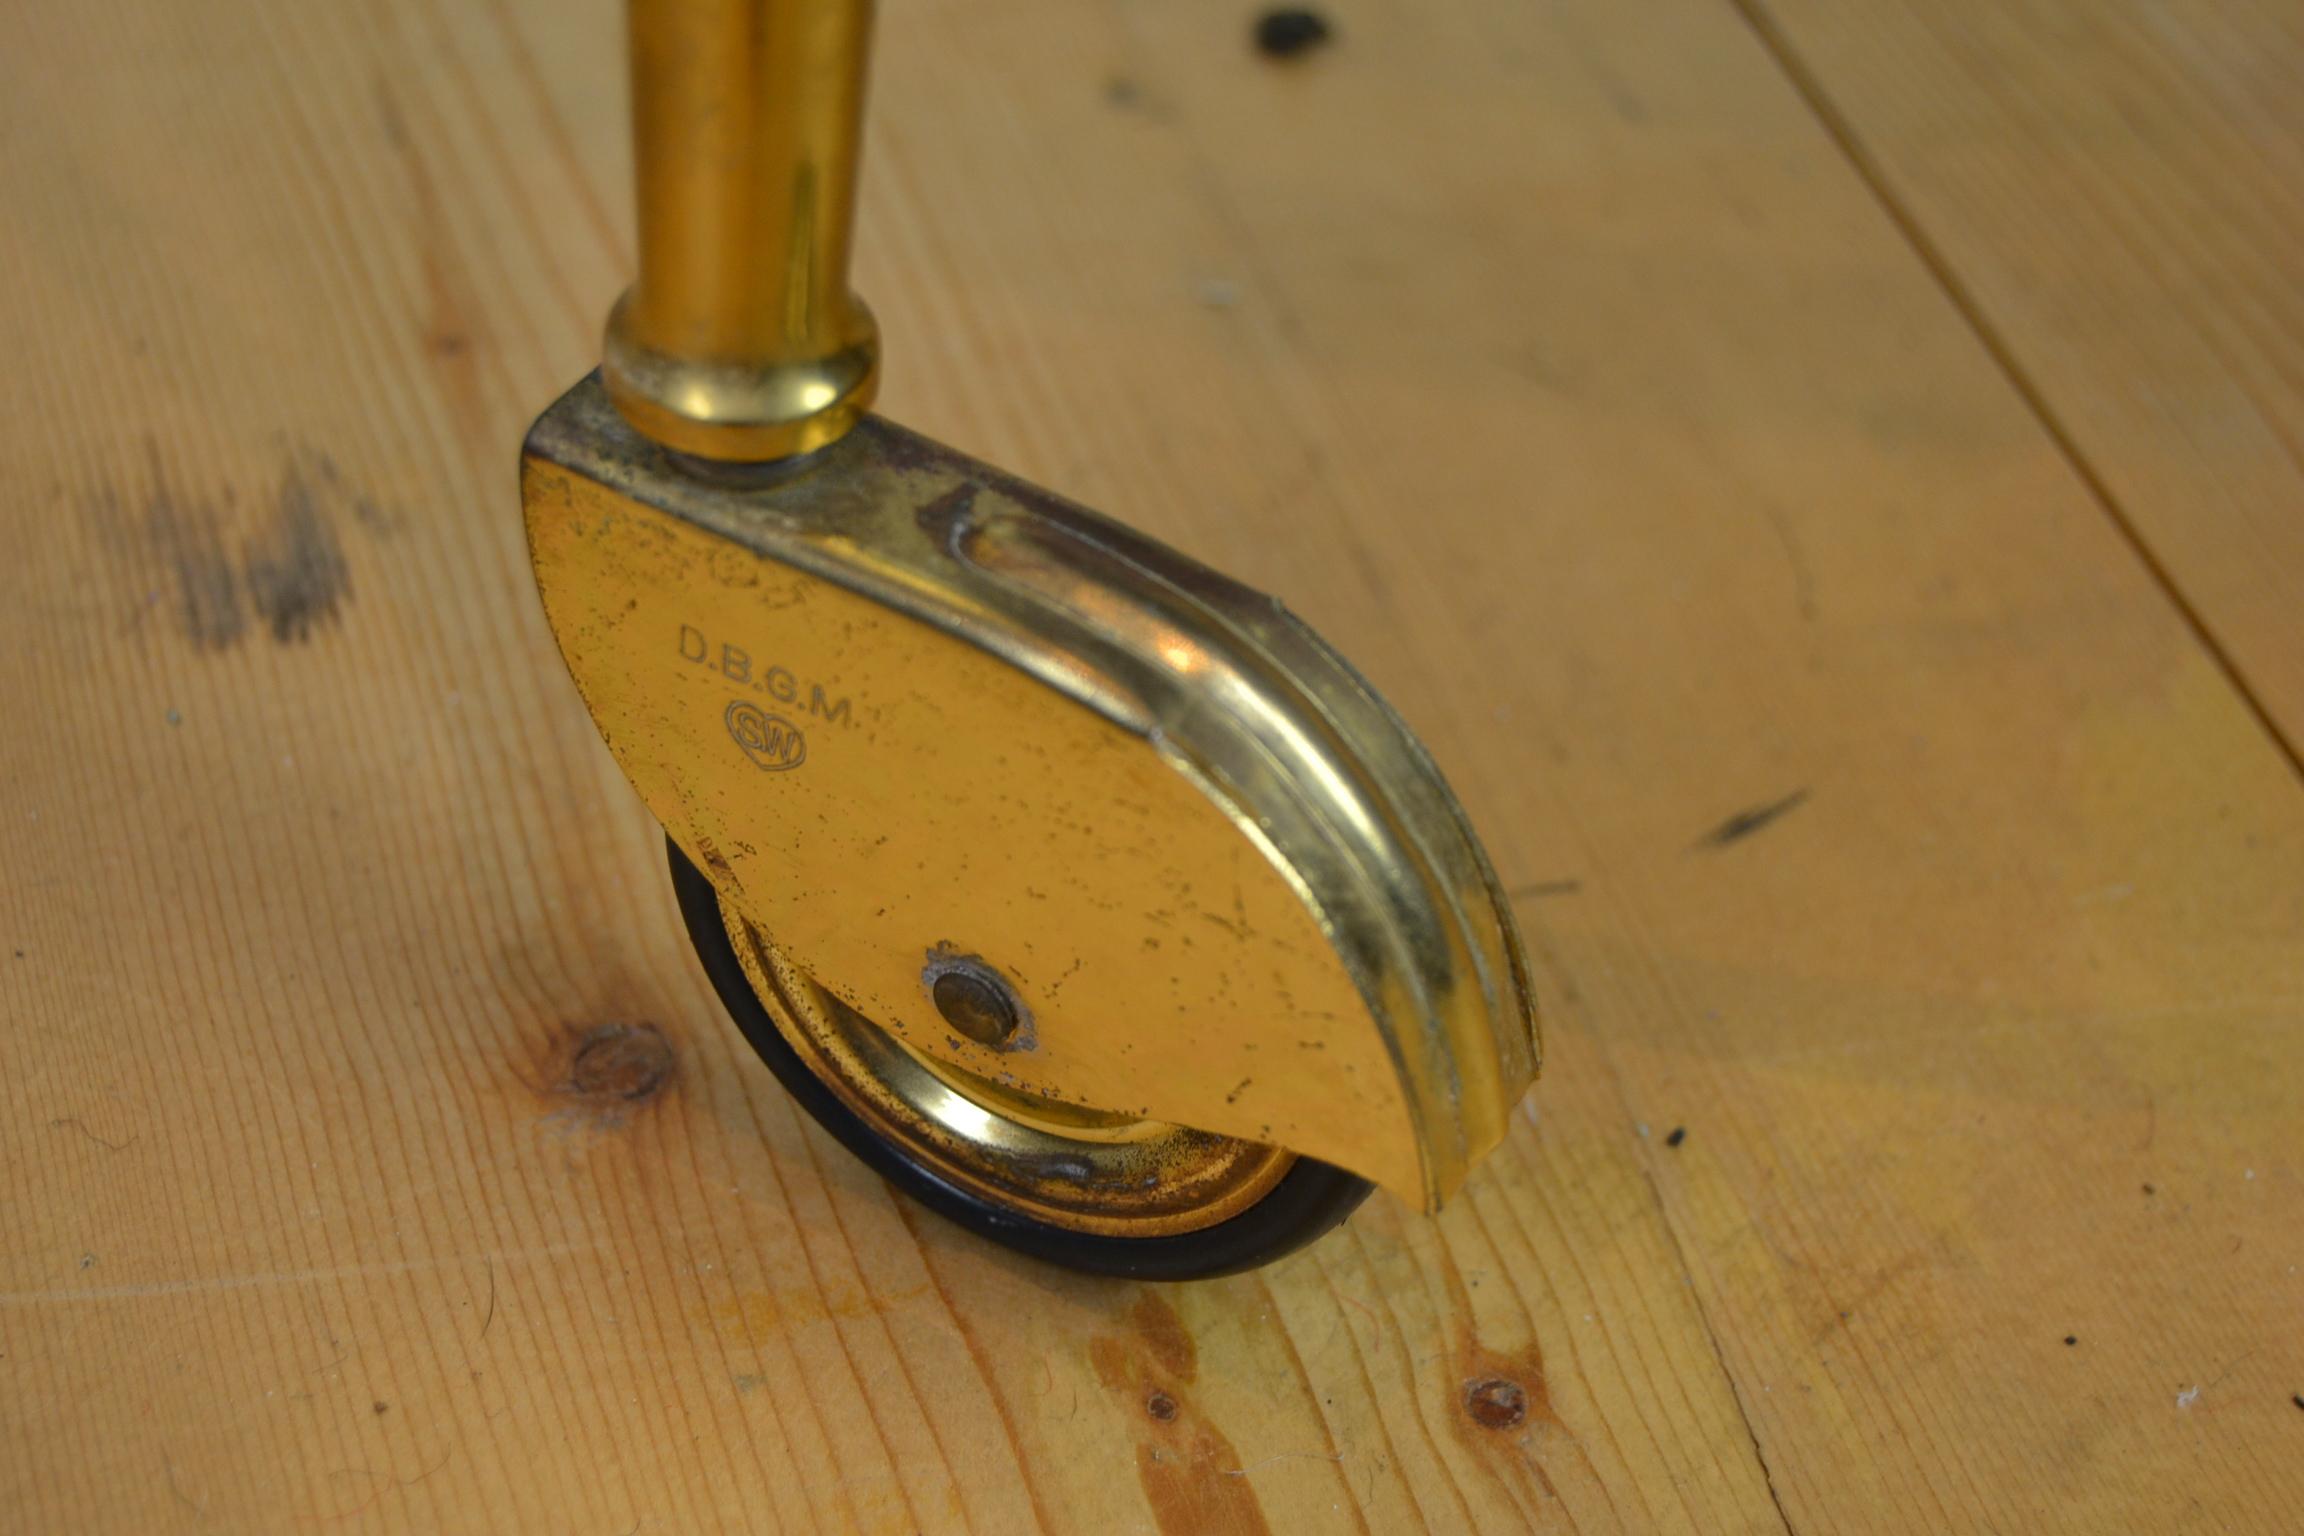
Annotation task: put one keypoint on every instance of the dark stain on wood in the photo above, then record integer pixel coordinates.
(1290, 31)
(1161, 1332)
(1496, 1402)
(1195, 1489)
(1504, 1391)
(1503, 1409)
(619, 1064)
(184, 534)
(1746, 822)
(286, 576)
(1191, 1476)
(294, 567)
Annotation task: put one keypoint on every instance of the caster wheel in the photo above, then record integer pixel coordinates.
(1101, 1193)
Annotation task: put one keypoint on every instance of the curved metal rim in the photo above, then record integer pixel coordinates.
(1311, 1198)
(1083, 1170)
(1321, 776)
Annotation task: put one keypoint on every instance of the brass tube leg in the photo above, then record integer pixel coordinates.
(740, 339)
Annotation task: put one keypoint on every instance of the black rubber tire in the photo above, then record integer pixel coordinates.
(1311, 1198)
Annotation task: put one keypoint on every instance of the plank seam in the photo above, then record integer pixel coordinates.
(1712, 1337)
(1869, 170)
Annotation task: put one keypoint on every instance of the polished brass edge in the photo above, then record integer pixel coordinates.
(739, 338)
(745, 411)
(1408, 899)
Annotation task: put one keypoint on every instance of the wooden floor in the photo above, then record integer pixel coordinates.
(1825, 476)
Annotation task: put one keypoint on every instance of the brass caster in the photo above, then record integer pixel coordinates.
(1104, 1193)
(1082, 892)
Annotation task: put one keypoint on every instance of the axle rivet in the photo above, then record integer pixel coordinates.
(977, 1003)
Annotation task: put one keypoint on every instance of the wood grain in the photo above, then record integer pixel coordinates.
(1557, 363)
(2115, 193)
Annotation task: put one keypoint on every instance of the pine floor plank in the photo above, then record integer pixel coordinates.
(1559, 365)
(2116, 195)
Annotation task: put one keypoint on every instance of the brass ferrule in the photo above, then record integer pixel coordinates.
(739, 339)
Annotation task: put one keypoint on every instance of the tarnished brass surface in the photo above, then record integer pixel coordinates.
(1084, 1169)
(900, 707)
(739, 339)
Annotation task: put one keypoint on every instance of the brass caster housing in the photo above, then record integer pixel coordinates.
(1108, 1195)
(1082, 892)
